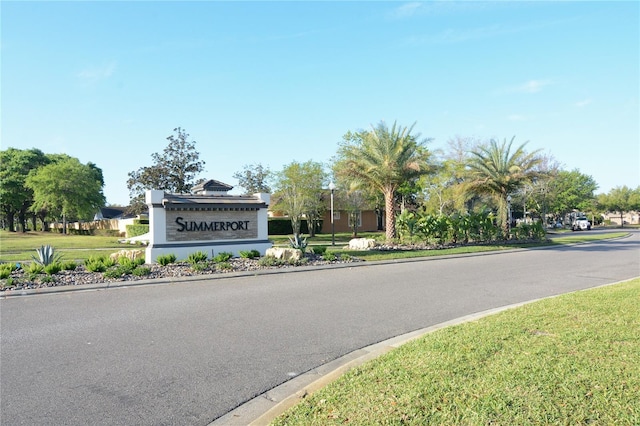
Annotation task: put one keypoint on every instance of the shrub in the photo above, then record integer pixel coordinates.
(224, 266)
(197, 257)
(35, 268)
(269, 261)
(108, 262)
(298, 262)
(95, 264)
(141, 271)
(199, 267)
(6, 269)
(47, 279)
(117, 272)
(223, 256)
(126, 262)
(69, 265)
(330, 257)
(319, 250)
(249, 254)
(46, 255)
(52, 268)
(166, 259)
(135, 230)
(5, 273)
(280, 226)
(8, 283)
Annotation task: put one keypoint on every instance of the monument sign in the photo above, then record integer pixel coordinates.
(209, 220)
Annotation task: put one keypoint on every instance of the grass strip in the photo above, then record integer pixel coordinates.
(19, 247)
(573, 359)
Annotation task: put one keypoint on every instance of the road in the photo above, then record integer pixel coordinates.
(187, 353)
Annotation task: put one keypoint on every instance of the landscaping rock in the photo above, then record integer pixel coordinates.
(362, 243)
(130, 254)
(284, 253)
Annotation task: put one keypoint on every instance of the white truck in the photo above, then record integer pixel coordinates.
(580, 223)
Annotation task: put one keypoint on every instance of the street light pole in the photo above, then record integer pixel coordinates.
(332, 187)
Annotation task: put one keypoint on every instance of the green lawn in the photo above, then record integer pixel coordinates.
(19, 247)
(574, 359)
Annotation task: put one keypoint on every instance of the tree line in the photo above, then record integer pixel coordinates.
(35, 186)
(383, 168)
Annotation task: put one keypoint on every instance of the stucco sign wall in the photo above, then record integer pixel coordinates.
(182, 224)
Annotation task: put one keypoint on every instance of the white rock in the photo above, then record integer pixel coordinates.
(130, 254)
(284, 253)
(361, 243)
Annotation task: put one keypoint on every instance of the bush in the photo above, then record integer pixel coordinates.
(197, 257)
(126, 262)
(269, 261)
(199, 267)
(141, 271)
(249, 254)
(135, 230)
(52, 268)
(35, 269)
(319, 250)
(223, 256)
(224, 266)
(7, 268)
(282, 226)
(166, 259)
(118, 272)
(330, 257)
(69, 265)
(96, 264)
(4, 272)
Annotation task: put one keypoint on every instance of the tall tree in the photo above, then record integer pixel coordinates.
(174, 170)
(497, 171)
(571, 190)
(383, 158)
(254, 178)
(15, 198)
(298, 192)
(620, 199)
(69, 188)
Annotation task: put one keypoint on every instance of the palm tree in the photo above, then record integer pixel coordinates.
(383, 159)
(497, 171)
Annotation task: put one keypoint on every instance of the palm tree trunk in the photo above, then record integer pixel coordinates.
(390, 220)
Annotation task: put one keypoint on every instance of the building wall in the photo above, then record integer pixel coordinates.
(631, 218)
(368, 222)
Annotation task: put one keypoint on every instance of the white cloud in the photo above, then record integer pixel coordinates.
(583, 103)
(97, 73)
(533, 86)
(406, 10)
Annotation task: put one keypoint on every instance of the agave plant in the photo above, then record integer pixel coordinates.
(297, 242)
(46, 255)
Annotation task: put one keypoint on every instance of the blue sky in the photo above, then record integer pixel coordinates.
(273, 82)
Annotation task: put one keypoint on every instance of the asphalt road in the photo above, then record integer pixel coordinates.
(187, 353)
